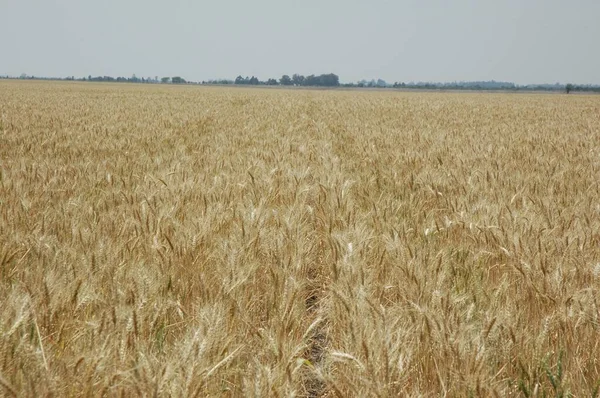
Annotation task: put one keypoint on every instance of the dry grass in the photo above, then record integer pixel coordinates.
(185, 241)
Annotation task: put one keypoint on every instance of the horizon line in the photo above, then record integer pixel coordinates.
(24, 76)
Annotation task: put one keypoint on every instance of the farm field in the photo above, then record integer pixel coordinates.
(160, 240)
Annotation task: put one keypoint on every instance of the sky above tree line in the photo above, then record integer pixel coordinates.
(523, 41)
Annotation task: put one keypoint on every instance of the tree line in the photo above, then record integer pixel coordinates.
(135, 79)
(332, 80)
(325, 80)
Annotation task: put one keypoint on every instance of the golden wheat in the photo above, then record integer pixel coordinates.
(192, 241)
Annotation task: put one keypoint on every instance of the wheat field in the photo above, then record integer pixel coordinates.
(191, 241)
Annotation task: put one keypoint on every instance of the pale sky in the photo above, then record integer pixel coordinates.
(524, 41)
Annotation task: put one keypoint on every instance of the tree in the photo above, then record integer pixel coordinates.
(569, 88)
(329, 80)
(310, 80)
(272, 82)
(285, 80)
(297, 79)
(178, 80)
(165, 80)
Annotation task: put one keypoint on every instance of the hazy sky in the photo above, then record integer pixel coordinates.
(525, 41)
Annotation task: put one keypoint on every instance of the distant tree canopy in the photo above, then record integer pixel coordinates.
(120, 79)
(248, 80)
(569, 88)
(328, 80)
(286, 80)
(297, 79)
(332, 80)
(218, 81)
